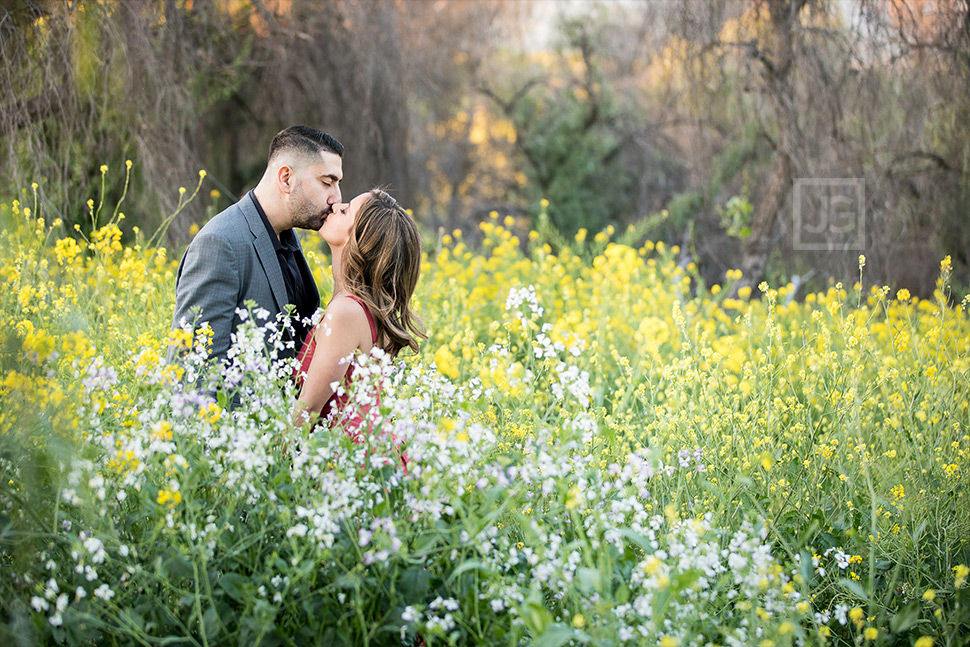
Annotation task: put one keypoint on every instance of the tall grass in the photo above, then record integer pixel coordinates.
(600, 450)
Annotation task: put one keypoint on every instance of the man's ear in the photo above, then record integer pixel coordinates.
(284, 178)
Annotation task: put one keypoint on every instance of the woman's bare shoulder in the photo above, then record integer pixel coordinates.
(345, 312)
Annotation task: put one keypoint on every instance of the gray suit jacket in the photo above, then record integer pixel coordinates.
(229, 262)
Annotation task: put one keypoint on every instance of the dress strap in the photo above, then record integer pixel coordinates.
(370, 319)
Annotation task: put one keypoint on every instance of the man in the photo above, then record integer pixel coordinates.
(249, 252)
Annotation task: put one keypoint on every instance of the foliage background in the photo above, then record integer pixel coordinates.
(686, 119)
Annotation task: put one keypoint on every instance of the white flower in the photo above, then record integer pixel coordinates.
(299, 530)
(410, 614)
(841, 613)
(104, 592)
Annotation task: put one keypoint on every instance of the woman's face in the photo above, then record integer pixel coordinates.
(338, 225)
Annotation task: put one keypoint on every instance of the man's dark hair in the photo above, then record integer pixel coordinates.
(305, 140)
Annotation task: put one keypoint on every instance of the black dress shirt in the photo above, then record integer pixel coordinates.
(296, 274)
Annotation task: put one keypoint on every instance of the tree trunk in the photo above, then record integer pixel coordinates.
(777, 63)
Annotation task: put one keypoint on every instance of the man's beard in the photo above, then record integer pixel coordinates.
(305, 214)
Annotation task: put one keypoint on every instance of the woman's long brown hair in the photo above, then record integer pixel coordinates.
(381, 268)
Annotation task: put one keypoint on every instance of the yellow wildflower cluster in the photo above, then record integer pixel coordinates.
(821, 408)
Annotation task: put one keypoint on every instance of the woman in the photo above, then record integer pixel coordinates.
(375, 260)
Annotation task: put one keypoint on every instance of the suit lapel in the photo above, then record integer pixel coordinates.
(265, 252)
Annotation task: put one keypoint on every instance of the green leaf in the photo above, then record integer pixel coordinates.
(806, 567)
(234, 585)
(636, 538)
(588, 579)
(534, 613)
(622, 594)
(177, 566)
(905, 618)
(685, 580)
(350, 581)
(854, 588)
(211, 622)
(468, 565)
(414, 583)
(555, 635)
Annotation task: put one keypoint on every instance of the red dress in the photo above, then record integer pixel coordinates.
(337, 409)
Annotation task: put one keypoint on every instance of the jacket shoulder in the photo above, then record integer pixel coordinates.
(232, 223)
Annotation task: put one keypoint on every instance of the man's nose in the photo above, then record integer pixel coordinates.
(334, 197)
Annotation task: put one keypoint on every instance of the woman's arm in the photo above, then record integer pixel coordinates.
(337, 336)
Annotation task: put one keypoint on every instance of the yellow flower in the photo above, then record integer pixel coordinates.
(66, 250)
(574, 498)
(170, 497)
(871, 633)
(960, 571)
(446, 362)
(856, 615)
(579, 621)
(929, 595)
(924, 641)
(162, 431)
(651, 565)
(669, 641)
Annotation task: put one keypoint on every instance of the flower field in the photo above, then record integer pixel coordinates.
(600, 450)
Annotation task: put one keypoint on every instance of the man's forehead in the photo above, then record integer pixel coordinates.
(327, 164)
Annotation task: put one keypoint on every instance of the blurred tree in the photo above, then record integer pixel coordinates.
(182, 85)
(459, 151)
(765, 92)
(776, 51)
(921, 182)
(583, 141)
(94, 82)
(689, 109)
